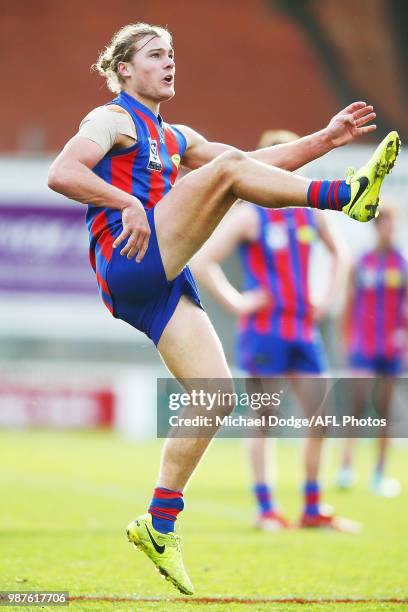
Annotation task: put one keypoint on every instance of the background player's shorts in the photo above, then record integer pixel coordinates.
(379, 364)
(271, 355)
(141, 294)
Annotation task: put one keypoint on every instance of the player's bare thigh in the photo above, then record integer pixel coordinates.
(190, 346)
(189, 213)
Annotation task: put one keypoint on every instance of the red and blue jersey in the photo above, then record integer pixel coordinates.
(377, 313)
(279, 261)
(147, 170)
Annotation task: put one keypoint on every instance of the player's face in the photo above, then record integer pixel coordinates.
(152, 69)
(385, 227)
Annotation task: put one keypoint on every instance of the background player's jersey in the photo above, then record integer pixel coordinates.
(148, 170)
(377, 313)
(279, 261)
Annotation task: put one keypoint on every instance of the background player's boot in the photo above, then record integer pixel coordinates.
(164, 549)
(386, 486)
(271, 521)
(346, 478)
(325, 519)
(366, 182)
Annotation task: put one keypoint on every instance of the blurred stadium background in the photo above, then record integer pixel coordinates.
(255, 65)
(242, 66)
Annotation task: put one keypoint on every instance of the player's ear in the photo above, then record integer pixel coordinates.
(124, 69)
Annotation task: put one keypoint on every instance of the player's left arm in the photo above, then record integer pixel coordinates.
(340, 263)
(345, 126)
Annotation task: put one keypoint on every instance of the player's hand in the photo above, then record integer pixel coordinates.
(351, 123)
(252, 301)
(320, 312)
(136, 228)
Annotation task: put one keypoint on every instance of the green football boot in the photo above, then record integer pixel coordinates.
(164, 549)
(366, 182)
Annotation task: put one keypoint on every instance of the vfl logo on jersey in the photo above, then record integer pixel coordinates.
(276, 236)
(154, 159)
(176, 159)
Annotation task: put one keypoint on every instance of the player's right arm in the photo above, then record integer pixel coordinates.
(71, 175)
(241, 224)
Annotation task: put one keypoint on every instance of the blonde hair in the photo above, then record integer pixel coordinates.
(274, 137)
(121, 49)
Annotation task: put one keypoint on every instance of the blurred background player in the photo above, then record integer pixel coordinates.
(375, 322)
(277, 322)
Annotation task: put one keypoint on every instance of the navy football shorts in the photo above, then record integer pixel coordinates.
(378, 364)
(272, 355)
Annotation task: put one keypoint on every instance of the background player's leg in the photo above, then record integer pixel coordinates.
(259, 460)
(386, 486)
(312, 450)
(262, 462)
(189, 213)
(312, 458)
(190, 351)
(385, 389)
(360, 386)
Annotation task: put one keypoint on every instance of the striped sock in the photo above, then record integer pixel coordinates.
(331, 195)
(264, 498)
(164, 508)
(312, 498)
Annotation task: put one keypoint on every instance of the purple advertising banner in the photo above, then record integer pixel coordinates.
(44, 249)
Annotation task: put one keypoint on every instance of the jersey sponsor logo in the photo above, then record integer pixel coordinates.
(154, 158)
(276, 236)
(306, 234)
(176, 159)
(393, 278)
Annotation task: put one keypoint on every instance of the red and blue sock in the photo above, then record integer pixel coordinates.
(164, 508)
(328, 195)
(312, 498)
(264, 498)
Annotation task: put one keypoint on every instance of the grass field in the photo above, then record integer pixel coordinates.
(67, 498)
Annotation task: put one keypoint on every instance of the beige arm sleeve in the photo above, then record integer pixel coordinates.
(103, 126)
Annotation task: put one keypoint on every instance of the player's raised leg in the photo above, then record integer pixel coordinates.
(187, 215)
(190, 352)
